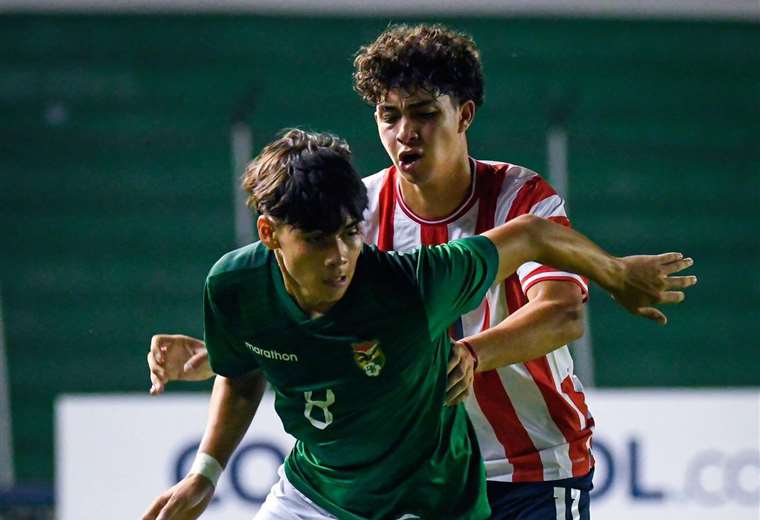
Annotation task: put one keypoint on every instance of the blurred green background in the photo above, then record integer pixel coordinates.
(116, 177)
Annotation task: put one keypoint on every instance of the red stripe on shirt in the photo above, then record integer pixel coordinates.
(433, 234)
(518, 446)
(564, 416)
(486, 317)
(489, 390)
(533, 191)
(578, 398)
(386, 211)
(558, 276)
(560, 220)
(580, 445)
(489, 187)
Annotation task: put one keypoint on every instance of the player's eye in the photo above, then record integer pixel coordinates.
(315, 238)
(426, 115)
(389, 117)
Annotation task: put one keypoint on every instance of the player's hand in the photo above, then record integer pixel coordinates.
(186, 500)
(461, 374)
(646, 280)
(174, 357)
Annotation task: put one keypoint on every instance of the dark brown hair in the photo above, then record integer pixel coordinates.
(306, 180)
(432, 57)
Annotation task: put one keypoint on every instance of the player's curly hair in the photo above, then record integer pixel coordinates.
(432, 57)
(306, 179)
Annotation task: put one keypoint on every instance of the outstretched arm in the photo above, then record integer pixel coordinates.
(553, 315)
(231, 409)
(635, 282)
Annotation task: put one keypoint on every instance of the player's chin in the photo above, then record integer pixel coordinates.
(333, 290)
(416, 174)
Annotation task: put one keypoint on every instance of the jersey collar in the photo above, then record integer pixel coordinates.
(289, 304)
(454, 215)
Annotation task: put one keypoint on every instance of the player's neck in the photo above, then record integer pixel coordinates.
(312, 308)
(441, 195)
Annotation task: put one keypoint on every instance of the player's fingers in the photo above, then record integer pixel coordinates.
(667, 258)
(196, 511)
(197, 360)
(156, 374)
(156, 385)
(680, 282)
(678, 265)
(458, 399)
(457, 393)
(454, 358)
(454, 377)
(155, 368)
(672, 297)
(652, 314)
(155, 347)
(155, 507)
(172, 509)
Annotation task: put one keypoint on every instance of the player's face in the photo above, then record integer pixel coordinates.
(318, 267)
(424, 135)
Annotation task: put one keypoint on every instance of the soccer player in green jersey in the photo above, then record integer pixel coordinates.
(354, 343)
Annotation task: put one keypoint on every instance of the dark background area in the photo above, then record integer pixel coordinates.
(116, 177)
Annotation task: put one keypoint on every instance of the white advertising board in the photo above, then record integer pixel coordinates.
(661, 454)
(674, 454)
(116, 454)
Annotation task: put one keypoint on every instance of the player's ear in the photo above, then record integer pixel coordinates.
(466, 115)
(267, 228)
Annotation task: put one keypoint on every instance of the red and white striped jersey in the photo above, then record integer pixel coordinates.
(531, 418)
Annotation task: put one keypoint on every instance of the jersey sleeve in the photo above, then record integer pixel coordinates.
(226, 352)
(549, 205)
(454, 278)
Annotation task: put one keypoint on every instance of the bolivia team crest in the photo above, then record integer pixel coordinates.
(369, 357)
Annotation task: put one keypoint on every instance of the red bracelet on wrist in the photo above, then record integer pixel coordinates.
(472, 352)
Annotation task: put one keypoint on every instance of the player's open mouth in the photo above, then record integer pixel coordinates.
(337, 281)
(407, 160)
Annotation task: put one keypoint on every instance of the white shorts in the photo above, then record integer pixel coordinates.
(285, 502)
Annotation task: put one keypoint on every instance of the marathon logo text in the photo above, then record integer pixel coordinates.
(271, 354)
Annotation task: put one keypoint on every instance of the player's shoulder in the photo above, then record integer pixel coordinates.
(385, 263)
(407, 264)
(514, 175)
(375, 182)
(240, 261)
(519, 183)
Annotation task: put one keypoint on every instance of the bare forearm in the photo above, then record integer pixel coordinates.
(532, 238)
(531, 332)
(231, 409)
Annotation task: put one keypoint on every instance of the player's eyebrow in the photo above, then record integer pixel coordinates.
(423, 103)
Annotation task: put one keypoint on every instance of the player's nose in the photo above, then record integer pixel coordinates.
(407, 132)
(337, 254)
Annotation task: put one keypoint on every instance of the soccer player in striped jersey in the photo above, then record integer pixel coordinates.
(533, 423)
(354, 342)
(528, 408)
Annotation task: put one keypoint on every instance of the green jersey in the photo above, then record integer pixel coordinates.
(362, 387)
